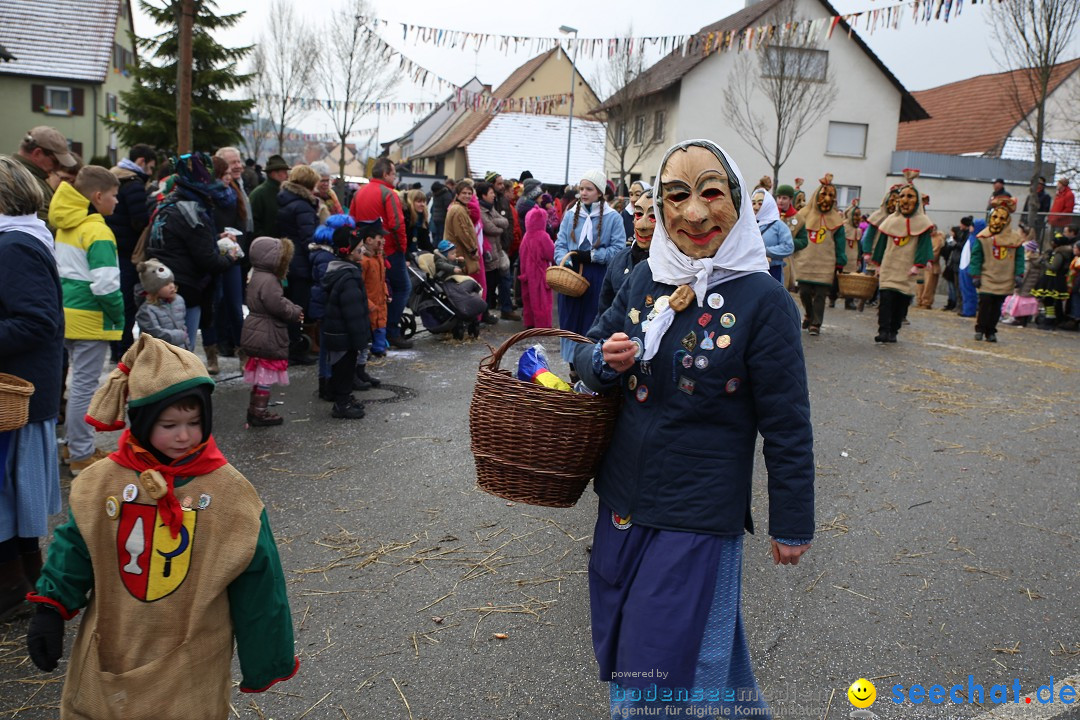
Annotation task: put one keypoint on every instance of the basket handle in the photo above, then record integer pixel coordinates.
(495, 358)
(562, 263)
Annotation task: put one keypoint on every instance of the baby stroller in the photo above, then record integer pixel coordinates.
(445, 303)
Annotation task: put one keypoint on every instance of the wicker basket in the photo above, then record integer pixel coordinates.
(857, 286)
(14, 402)
(534, 444)
(563, 280)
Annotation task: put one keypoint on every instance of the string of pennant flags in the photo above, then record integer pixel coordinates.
(702, 43)
(920, 11)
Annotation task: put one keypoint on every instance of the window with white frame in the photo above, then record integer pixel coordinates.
(659, 125)
(845, 194)
(798, 63)
(848, 139)
(620, 134)
(639, 129)
(57, 100)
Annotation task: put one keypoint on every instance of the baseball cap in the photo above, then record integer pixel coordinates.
(1000, 180)
(53, 141)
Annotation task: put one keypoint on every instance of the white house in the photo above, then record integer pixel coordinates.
(853, 139)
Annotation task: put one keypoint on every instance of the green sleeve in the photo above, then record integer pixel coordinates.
(1020, 265)
(261, 618)
(924, 251)
(840, 239)
(68, 574)
(880, 241)
(975, 267)
(867, 242)
(105, 281)
(801, 240)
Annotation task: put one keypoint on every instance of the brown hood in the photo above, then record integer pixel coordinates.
(271, 255)
(300, 191)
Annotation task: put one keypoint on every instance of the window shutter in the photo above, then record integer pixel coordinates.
(77, 101)
(37, 98)
(76, 147)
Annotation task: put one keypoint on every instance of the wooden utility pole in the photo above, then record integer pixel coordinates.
(183, 76)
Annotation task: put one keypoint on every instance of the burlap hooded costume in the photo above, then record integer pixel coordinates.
(167, 584)
(903, 241)
(825, 249)
(996, 259)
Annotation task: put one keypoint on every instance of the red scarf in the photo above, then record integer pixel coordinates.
(204, 459)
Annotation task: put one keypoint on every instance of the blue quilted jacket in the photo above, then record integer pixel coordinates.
(682, 457)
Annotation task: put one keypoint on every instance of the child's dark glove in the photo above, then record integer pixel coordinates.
(45, 638)
(976, 281)
(584, 256)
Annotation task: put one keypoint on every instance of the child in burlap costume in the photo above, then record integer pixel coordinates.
(824, 254)
(997, 265)
(852, 217)
(901, 249)
(167, 584)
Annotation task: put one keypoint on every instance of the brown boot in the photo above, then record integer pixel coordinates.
(13, 589)
(212, 359)
(258, 415)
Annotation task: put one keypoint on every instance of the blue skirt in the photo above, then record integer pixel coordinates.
(577, 314)
(30, 487)
(667, 620)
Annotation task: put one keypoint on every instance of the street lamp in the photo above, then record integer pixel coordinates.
(567, 30)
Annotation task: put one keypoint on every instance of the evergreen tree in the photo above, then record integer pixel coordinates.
(151, 104)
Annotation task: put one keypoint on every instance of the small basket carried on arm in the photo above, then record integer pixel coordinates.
(857, 286)
(14, 402)
(533, 444)
(564, 280)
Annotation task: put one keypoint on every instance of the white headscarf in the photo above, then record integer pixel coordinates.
(768, 213)
(741, 253)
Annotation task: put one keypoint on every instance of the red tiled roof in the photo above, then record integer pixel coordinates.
(675, 65)
(958, 123)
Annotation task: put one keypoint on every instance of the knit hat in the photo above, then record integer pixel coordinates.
(597, 178)
(532, 189)
(491, 176)
(324, 234)
(785, 191)
(150, 371)
(445, 246)
(525, 175)
(154, 276)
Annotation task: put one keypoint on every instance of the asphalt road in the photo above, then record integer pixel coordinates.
(947, 503)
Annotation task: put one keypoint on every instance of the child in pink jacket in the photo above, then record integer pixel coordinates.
(536, 253)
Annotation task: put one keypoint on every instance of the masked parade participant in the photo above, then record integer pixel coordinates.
(852, 236)
(620, 266)
(823, 255)
(695, 341)
(774, 232)
(902, 247)
(997, 265)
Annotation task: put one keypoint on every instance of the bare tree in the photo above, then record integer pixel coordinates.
(1034, 35)
(287, 54)
(631, 120)
(259, 126)
(791, 74)
(352, 71)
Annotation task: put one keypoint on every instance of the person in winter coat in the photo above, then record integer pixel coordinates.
(623, 264)
(346, 325)
(321, 252)
(950, 255)
(328, 199)
(31, 348)
(1063, 204)
(531, 190)
(167, 586)
(441, 197)
(1024, 306)
(183, 235)
(591, 234)
(265, 338)
(536, 254)
(373, 266)
(161, 312)
(298, 218)
(93, 308)
(264, 204)
(416, 222)
(699, 383)
(1053, 287)
(127, 222)
(637, 188)
(774, 232)
(494, 228)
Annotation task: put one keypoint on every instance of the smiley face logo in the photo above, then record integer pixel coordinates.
(862, 693)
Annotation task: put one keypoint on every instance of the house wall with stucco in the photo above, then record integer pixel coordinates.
(553, 78)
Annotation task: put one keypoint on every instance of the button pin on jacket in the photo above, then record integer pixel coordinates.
(642, 394)
(634, 315)
(732, 385)
(631, 382)
(131, 491)
(112, 507)
(727, 320)
(723, 341)
(701, 362)
(689, 341)
(716, 301)
(705, 319)
(204, 501)
(707, 342)
(686, 385)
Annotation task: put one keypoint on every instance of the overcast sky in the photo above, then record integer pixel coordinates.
(920, 55)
